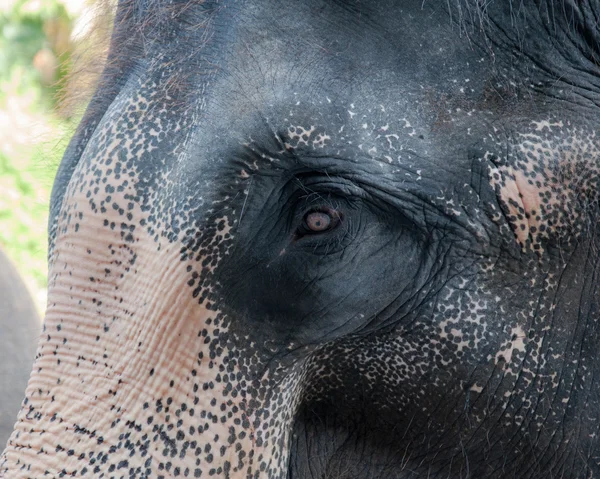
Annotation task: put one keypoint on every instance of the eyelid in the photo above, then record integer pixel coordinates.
(332, 184)
(320, 202)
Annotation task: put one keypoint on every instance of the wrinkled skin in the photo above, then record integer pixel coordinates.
(19, 332)
(444, 325)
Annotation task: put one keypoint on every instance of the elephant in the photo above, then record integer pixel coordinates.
(19, 331)
(326, 239)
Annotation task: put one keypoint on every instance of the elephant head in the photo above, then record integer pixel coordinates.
(327, 239)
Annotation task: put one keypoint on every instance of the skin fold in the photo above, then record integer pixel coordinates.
(326, 239)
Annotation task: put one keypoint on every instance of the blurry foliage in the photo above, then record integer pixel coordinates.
(35, 48)
(37, 58)
(23, 208)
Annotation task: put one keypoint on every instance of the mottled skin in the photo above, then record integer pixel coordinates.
(19, 331)
(445, 325)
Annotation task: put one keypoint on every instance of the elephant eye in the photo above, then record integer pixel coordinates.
(320, 221)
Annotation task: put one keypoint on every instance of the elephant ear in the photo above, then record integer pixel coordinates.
(19, 331)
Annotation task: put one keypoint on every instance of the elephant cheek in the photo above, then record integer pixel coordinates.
(545, 191)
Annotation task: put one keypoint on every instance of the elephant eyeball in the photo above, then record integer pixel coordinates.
(321, 220)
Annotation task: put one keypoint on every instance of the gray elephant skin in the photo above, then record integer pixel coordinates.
(327, 239)
(19, 331)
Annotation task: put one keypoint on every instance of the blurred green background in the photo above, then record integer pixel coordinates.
(50, 55)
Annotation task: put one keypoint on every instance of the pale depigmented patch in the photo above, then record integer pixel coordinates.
(476, 388)
(298, 136)
(513, 346)
(545, 187)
